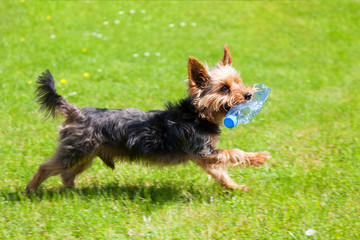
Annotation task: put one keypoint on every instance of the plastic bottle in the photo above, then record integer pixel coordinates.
(243, 112)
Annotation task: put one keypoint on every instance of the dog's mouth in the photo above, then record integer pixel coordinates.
(227, 108)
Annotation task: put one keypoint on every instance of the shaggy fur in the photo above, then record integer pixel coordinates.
(186, 130)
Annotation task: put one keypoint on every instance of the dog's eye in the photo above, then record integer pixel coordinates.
(224, 88)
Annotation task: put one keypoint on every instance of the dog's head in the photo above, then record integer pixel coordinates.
(215, 90)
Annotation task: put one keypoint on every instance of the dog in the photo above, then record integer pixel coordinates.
(187, 130)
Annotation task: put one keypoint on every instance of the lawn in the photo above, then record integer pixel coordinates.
(118, 54)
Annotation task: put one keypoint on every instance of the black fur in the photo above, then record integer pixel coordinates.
(51, 102)
(46, 95)
(165, 137)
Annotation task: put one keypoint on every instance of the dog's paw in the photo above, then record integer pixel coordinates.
(234, 187)
(27, 191)
(259, 158)
(243, 188)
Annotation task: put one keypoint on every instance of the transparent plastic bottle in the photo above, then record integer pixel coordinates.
(243, 112)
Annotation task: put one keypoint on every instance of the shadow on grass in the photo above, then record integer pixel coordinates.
(153, 194)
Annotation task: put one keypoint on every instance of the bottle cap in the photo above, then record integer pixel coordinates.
(230, 121)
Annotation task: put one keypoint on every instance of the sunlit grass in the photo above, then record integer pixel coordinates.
(119, 54)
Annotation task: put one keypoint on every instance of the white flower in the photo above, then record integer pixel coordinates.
(106, 23)
(135, 55)
(132, 11)
(99, 35)
(171, 25)
(193, 24)
(117, 21)
(99, 70)
(94, 33)
(183, 24)
(53, 36)
(72, 93)
(146, 54)
(121, 12)
(310, 232)
(157, 54)
(143, 11)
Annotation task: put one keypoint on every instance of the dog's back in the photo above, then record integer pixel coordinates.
(164, 137)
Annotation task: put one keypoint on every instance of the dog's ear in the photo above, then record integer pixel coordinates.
(198, 75)
(226, 60)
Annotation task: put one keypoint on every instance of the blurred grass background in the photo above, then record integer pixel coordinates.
(135, 54)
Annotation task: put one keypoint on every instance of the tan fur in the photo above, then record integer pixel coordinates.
(66, 109)
(212, 106)
(68, 177)
(46, 170)
(226, 60)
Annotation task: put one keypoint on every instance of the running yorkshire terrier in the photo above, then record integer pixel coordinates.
(187, 130)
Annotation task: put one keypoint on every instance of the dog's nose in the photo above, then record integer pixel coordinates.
(248, 96)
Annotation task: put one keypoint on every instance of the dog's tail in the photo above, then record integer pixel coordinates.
(51, 102)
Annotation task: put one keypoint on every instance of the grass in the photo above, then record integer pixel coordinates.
(306, 51)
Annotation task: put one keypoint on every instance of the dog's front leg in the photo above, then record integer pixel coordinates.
(233, 157)
(216, 163)
(221, 176)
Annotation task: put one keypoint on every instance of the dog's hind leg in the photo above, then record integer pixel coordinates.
(51, 168)
(68, 177)
(60, 162)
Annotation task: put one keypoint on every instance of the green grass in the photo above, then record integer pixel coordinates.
(306, 51)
